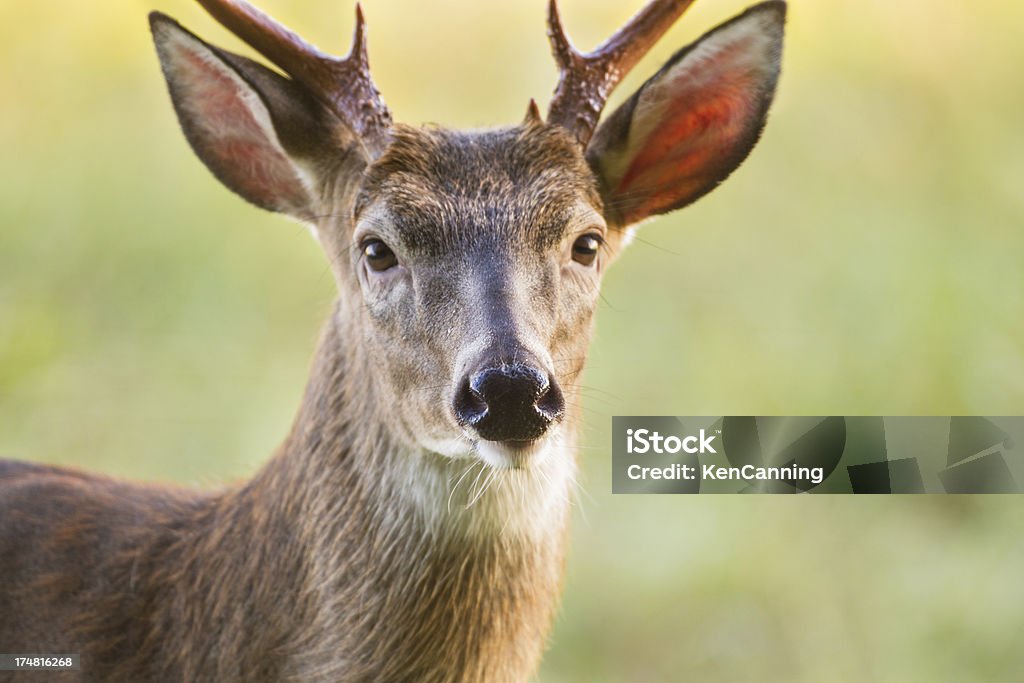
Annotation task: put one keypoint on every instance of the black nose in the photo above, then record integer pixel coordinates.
(509, 402)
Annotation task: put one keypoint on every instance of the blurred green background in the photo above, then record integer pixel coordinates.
(865, 260)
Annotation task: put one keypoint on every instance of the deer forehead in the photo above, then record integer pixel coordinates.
(437, 190)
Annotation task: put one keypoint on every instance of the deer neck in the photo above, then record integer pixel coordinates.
(449, 575)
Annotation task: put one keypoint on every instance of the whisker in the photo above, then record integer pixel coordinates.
(483, 489)
(450, 495)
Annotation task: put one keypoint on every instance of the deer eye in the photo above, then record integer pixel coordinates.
(379, 256)
(584, 249)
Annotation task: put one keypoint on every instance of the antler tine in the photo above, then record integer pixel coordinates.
(343, 84)
(586, 80)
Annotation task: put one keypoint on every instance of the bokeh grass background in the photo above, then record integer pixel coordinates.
(867, 259)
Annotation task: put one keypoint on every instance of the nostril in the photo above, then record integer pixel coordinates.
(550, 402)
(470, 406)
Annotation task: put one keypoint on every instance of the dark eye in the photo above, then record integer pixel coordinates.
(379, 255)
(584, 249)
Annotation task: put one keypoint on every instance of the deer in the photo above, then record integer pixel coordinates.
(413, 524)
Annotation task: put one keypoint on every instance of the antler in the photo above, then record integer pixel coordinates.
(586, 80)
(343, 84)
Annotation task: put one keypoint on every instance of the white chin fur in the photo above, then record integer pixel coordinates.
(483, 488)
(504, 457)
(496, 454)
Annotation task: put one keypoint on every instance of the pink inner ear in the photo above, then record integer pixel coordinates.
(698, 127)
(234, 141)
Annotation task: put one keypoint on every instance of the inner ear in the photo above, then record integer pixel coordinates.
(694, 122)
(258, 132)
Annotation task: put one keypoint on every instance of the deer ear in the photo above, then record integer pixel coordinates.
(255, 130)
(694, 122)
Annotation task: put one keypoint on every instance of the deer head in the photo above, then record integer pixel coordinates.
(468, 263)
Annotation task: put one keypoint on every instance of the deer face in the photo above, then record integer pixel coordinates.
(477, 256)
(468, 264)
